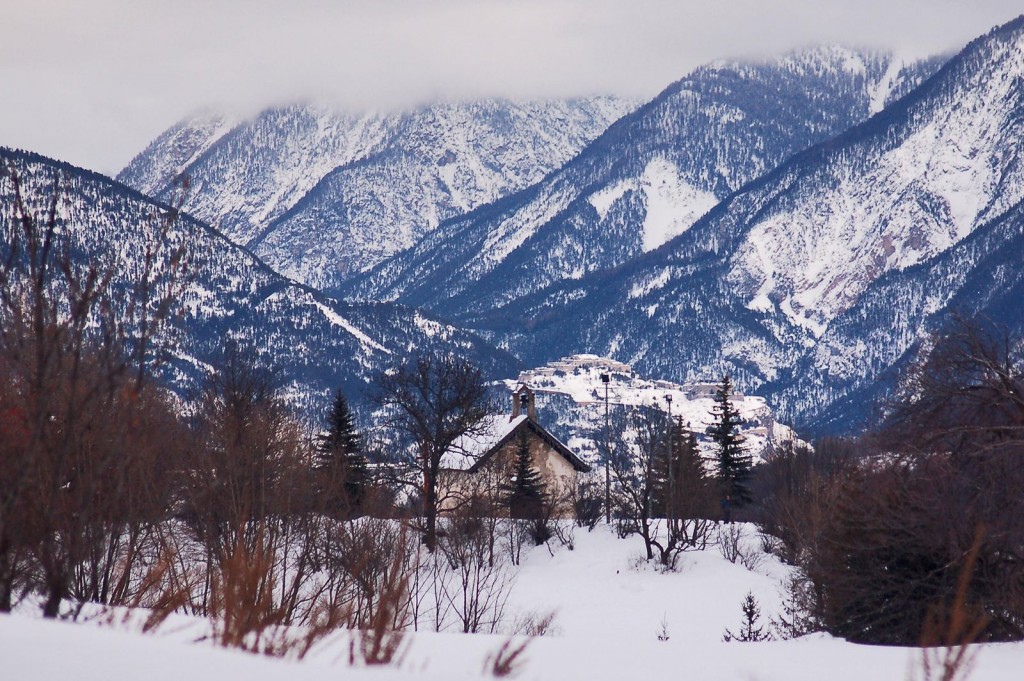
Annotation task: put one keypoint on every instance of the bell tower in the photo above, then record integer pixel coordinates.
(523, 401)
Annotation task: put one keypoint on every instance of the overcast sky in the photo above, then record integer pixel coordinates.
(93, 81)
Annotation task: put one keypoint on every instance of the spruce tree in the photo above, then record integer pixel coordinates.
(750, 631)
(525, 492)
(678, 474)
(733, 461)
(673, 466)
(343, 468)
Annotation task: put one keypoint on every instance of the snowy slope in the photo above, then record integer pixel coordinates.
(262, 166)
(646, 180)
(166, 158)
(608, 614)
(751, 288)
(226, 294)
(919, 180)
(320, 195)
(858, 360)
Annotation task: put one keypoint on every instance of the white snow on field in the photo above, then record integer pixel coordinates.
(608, 616)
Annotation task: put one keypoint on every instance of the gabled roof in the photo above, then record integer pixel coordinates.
(471, 452)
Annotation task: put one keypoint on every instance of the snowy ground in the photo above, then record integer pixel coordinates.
(608, 616)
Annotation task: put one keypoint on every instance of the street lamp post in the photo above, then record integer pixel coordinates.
(606, 378)
(670, 506)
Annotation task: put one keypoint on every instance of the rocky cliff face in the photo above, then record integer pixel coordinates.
(777, 275)
(321, 195)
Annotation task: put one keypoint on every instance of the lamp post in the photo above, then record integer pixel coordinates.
(606, 378)
(670, 505)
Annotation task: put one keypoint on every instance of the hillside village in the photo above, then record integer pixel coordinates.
(570, 397)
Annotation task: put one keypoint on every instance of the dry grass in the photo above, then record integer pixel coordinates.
(508, 660)
(381, 643)
(950, 629)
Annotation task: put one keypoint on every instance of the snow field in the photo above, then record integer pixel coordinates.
(609, 611)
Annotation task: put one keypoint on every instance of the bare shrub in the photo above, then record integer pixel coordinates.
(734, 547)
(565, 532)
(587, 503)
(951, 628)
(535, 624)
(364, 559)
(243, 612)
(517, 531)
(480, 586)
(770, 544)
(156, 593)
(729, 536)
(751, 559)
(381, 642)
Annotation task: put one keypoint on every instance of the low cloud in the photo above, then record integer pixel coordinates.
(93, 83)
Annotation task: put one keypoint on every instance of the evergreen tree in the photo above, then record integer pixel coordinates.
(733, 460)
(678, 473)
(525, 493)
(343, 468)
(750, 631)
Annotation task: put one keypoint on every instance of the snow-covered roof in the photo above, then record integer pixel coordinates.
(469, 449)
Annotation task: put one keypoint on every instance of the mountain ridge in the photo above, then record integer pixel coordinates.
(434, 274)
(321, 195)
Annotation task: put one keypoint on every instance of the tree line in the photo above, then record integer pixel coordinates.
(913, 533)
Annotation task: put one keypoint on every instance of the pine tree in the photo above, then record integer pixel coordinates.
(733, 461)
(525, 492)
(677, 469)
(681, 479)
(343, 468)
(750, 631)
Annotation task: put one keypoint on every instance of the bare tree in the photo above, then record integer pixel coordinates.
(75, 342)
(640, 434)
(480, 585)
(430, 403)
(663, 492)
(937, 519)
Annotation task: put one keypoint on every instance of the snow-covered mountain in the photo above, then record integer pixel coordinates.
(314, 342)
(859, 360)
(320, 195)
(755, 286)
(647, 179)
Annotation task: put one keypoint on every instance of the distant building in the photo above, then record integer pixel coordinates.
(575, 363)
(484, 465)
